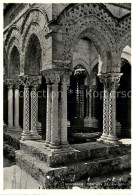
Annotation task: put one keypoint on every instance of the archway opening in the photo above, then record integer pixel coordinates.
(84, 102)
(33, 56)
(14, 63)
(124, 100)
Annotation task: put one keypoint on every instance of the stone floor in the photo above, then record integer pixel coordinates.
(16, 178)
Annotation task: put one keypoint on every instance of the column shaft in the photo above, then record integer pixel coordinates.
(48, 116)
(105, 113)
(34, 105)
(87, 103)
(26, 133)
(54, 118)
(16, 108)
(64, 141)
(90, 102)
(10, 107)
(112, 116)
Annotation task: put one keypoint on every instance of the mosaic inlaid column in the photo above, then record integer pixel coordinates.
(104, 80)
(114, 79)
(65, 82)
(34, 105)
(26, 133)
(16, 116)
(10, 104)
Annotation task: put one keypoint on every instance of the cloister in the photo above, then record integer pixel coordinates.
(63, 66)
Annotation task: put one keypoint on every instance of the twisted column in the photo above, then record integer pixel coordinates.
(10, 104)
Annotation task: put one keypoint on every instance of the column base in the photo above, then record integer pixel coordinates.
(65, 144)
(34, 135)
(113, 139)
(107, 139)
(39, 128)
(18, 128)
(102, 139)
(91, 122)
(25, 136)
(9, 128)
(46, 144)
(62, 151)
(54, 146)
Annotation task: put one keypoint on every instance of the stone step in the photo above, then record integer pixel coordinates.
(49, 177)
(76, 153)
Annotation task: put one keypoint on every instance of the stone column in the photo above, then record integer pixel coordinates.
(34, 105)
(114, 79)
(90, 102)
(52, 119)
(111, 82)
(77, 101)
(104, 80)
(48, 116)
(26, 133)
(55, 140)
(10, 104)
(39, 126)
(16, 117)
(65, 82)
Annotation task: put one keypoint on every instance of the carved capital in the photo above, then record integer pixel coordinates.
(110, 80)
(10, 83)
(80, 72)
(114, 79)
(17, 83)
(24, 81)
(35, 81)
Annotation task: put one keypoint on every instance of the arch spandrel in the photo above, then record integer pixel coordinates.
(97, 23)
(79, 17)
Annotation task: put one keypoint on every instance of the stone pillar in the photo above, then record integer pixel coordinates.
(90, 102)
(48, 116)
(26, 133)
(87, 102)
(34, 105)
(114, 79)
(10, 104)
(65, 82)
(90, 120)
(111, 82)
(105, 133)
(16, 117)
(77, 101)
(55, 140)
(39, 126)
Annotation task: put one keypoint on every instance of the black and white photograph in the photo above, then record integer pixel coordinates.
(66, 96)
